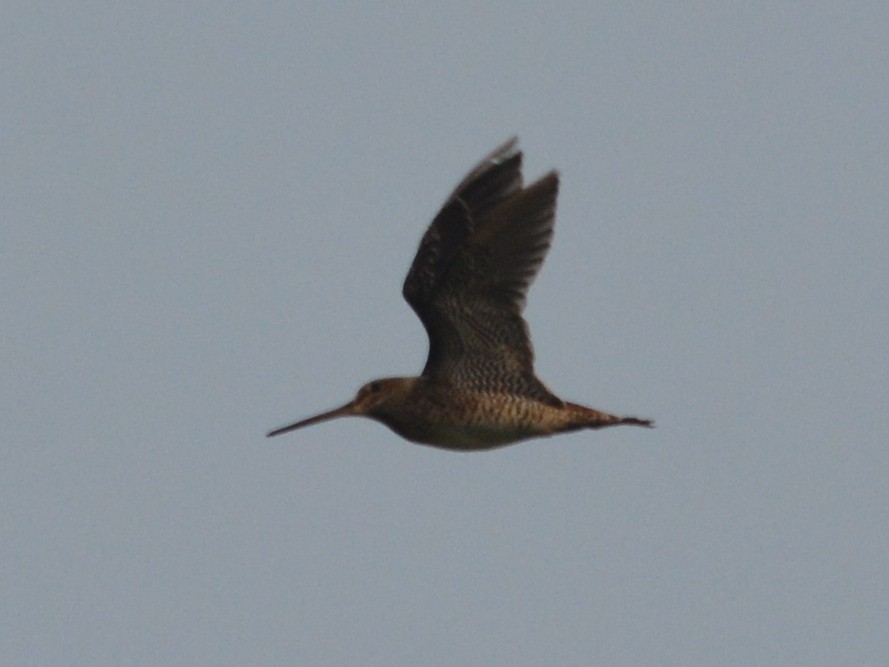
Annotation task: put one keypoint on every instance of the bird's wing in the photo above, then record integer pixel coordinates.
(470, 277)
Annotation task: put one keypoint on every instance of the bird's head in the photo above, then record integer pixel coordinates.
(370, 401)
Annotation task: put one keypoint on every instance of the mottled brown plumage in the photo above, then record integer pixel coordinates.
(468, 285)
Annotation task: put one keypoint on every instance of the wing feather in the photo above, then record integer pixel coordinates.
(469, 280)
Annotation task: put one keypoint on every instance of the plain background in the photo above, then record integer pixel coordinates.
(208, 209)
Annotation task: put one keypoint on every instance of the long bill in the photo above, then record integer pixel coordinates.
(343, 411)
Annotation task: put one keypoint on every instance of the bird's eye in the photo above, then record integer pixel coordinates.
(374, 387)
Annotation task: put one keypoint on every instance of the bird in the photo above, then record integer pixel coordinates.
(468, 285)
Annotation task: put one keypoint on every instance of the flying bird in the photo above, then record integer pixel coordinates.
(468, 285)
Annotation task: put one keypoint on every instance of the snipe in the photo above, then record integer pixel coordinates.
(467, 285)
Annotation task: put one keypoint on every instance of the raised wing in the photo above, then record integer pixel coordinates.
(469, 280)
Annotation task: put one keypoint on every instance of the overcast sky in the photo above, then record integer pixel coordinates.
(208, 209)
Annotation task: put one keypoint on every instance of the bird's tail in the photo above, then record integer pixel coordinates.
(584, 417)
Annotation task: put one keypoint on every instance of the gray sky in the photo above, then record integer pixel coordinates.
(208, 211)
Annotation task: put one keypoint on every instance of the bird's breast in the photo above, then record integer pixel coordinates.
(467, 421)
